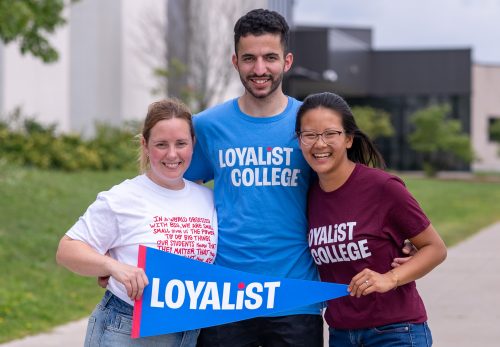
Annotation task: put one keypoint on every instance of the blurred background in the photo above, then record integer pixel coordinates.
(103, 62)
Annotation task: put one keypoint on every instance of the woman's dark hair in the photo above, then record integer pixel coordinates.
(362, 150)
(259, 22)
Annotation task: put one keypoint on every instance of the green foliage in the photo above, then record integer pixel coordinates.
(161, 74)
(435, 136)
(117, 147)
(25, 142)
(29, 22)
(189, 95)
(373, 122)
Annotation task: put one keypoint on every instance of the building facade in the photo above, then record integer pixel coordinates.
(99, 77)
(397, 81)
(108, 52)
(485, 112)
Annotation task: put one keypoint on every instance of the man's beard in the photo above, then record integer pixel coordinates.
(275, 83)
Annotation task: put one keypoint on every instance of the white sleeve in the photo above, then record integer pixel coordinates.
(98, 227)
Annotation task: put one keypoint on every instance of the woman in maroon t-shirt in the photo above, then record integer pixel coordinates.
(358, 218)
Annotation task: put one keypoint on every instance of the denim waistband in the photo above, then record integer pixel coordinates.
(112, 301)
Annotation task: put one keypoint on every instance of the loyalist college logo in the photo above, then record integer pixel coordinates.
(259, 166)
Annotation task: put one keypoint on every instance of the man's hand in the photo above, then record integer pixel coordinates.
(102, 281)
(408, 249)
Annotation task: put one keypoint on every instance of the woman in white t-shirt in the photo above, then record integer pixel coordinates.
(146, 210)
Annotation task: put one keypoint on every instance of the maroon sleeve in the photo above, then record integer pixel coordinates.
(405, 218)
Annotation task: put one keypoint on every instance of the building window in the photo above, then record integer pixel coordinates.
(494, 129)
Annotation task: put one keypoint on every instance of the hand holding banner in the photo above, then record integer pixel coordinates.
(185, 294)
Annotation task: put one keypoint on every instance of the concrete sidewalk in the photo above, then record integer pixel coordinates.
(68, 335)
(462, 297)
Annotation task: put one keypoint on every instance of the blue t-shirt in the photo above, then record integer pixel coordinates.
(260, 190)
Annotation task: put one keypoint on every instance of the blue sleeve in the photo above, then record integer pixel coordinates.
(201, 165)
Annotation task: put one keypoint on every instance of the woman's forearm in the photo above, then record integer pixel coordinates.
(431, 252)
(82, 259)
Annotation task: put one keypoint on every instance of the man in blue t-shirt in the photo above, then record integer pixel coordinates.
(247, 146)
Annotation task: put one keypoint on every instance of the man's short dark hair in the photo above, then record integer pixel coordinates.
(259, 22)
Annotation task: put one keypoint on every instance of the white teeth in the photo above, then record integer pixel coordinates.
(171, 165)
(322, 155)
(260, 81)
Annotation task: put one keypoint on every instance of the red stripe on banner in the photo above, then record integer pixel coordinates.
(136, 318)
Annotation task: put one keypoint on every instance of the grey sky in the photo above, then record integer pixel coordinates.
(414, 23)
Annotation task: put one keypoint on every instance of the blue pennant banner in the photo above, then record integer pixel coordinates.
(185, 294)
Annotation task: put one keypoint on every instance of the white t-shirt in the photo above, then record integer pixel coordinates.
(140, 212)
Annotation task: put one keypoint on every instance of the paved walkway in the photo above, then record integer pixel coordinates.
(68, 335)
(462, 297)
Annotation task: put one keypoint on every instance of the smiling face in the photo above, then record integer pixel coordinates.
(325, 159)
(169, 149)
(261, 63)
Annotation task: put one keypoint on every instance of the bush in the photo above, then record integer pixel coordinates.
(27, 142)
(373, 122)
(439, 138)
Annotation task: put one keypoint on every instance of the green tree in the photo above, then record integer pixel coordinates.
(30, 22)
(435, 136)
(373, 122)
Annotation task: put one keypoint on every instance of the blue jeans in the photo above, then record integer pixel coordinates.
(111, 323)
(391, 335)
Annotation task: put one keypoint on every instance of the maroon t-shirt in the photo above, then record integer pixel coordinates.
(363, 224)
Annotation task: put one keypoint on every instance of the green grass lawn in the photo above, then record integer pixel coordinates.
(457, 209)
(37, 207)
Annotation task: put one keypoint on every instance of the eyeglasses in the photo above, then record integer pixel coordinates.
(309, 138)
